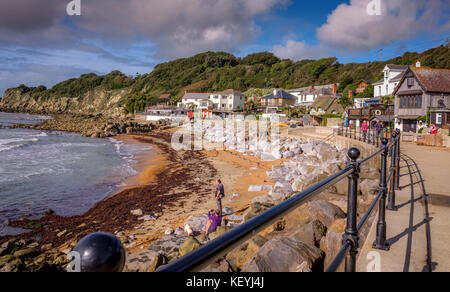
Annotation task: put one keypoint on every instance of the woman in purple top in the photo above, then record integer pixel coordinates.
(215, 220)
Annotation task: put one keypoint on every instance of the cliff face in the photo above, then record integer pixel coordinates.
(93, 102)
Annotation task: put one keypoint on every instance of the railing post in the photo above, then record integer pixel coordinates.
(391, 201)
(351, 231)
(380, 241)
(397, 178)
(346, 132)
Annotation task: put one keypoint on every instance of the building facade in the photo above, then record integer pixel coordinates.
(392, 76)
(278, 99)
(307, 95)
(228, 100)
(420, 92)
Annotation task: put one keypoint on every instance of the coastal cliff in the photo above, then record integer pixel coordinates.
(94, 102)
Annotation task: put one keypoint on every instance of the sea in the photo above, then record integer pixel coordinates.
(64, 172)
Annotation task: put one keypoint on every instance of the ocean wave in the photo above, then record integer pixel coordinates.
(9, 144)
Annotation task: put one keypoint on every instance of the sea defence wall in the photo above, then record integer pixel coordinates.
(366, 149)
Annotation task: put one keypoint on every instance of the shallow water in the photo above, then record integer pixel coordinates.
(65, 172)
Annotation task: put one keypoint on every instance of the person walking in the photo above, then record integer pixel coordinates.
(220, 193)
(378, 128)
(364, 129)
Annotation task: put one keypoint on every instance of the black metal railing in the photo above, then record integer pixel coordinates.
(371, 136)
(218, 248)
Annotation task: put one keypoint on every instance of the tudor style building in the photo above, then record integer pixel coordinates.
(422, 91)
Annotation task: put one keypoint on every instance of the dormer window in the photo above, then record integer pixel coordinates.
(410, 82)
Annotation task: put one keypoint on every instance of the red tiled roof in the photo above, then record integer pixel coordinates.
(165, 96)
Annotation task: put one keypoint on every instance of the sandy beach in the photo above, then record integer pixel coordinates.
(170, 185)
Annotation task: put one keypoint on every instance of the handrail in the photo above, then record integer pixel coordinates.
(242, 233)
(207, 254)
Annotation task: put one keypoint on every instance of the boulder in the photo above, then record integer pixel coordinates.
(7, 247)
(282, 187)
(221, 230)
(227, 211)
(259, 188)
(369, 187)
(256, 209)
(146, 261)
(310, 233)
(197, 223)
(240, 256)
(331, 244)
(320, 210)
(188, 246)
(286, 255)
(168, 244)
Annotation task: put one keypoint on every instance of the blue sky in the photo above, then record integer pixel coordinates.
(133, 36)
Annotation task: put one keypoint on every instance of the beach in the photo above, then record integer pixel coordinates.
(170, 185)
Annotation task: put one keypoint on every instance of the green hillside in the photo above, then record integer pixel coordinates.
(220, 71)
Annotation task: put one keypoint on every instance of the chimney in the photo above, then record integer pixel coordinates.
(311, 87)
(350, 93)
(334, 88)
(275, 92)
(418, 64)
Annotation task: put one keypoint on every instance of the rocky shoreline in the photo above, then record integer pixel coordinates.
(305, 240)
(97, 126)
(311, 235)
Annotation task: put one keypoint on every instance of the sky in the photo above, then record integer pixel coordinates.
(40, 43)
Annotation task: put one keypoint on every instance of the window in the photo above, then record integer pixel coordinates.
(410, 101)
(410, 81)
(439, 119)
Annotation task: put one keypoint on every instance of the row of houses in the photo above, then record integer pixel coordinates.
(419, 93)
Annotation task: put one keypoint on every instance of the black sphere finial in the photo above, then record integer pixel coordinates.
(394, 135)
(385, 141)
(100, 252)
(354, 153)
(398, 131)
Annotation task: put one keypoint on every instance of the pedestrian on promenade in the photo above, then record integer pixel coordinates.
(220, 193)
(364, 129)
(378, 128)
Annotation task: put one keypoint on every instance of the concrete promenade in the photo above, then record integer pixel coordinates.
(419, 232)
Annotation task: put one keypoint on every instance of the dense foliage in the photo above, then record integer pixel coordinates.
(217, 71)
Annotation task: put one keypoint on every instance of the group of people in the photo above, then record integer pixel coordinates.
(365, 128)
(215, 216)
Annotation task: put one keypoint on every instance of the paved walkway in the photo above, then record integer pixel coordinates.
(419, 232)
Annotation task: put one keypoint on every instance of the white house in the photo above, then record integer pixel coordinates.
(228, 100)
(392, 77)
(306, 96)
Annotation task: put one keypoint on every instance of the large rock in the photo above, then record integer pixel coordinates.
(331, 244)
(146, 261)
(259, 188)
(369, 187)
(320, 210)
(198, 223)
(168, 244)
(256, 209)
(286, 255)
(311, 233)
(240, 256)
(282, 187)
(188, 246)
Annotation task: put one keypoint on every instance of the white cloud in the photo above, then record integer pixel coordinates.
(179, 27)
(299, 51)
(349, 26)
